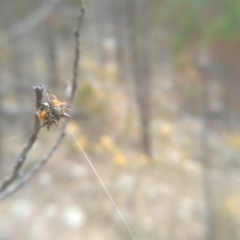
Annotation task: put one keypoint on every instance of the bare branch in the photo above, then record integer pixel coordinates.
(77, 52)
(22, 157)
(10, 186)
(23, 180)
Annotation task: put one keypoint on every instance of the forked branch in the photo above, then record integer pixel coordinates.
(16, 180)
(31, 140)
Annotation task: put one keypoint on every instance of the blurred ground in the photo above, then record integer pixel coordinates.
(189, 188)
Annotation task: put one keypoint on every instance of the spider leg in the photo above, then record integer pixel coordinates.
(41, 115)
(59, 103)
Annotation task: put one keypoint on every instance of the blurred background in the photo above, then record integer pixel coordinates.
(157, 111)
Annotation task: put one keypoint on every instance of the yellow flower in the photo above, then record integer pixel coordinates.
(82, 141)
(107, 142)
(233, 205)
(166, 129)
(120, 159)
(73, 127)
(144, 158)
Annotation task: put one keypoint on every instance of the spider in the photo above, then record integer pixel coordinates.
(51, 110)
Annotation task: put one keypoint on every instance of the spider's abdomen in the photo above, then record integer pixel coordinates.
(51, 111)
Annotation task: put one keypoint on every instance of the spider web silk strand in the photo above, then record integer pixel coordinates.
(100, 180)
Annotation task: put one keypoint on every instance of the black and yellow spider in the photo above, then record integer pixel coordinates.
(51, 110)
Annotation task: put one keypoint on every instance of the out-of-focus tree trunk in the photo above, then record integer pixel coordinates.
(119, 16)
(51, 54)
(209, 221)
(207, 191)
(101, 15)
(138, 20)
(1, 130)
(17, 68)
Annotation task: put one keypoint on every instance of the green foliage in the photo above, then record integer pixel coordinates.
(88, 98)
(184, 17)
(188, 28)
(197, 22)
(226, 25)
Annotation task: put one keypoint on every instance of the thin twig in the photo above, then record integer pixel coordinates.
(24, 179)
(77, 52)
(23, 155)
